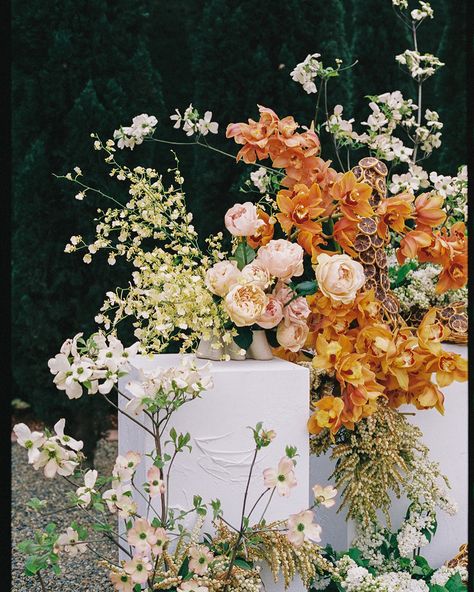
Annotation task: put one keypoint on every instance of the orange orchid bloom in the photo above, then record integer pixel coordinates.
(264, 233)
(393, 213)
(350, 369)
(327, 414)
(428, 212)
(299, 207)
(431, 332)
(328, 353)
(412, 243)
(454, 274)
(448, 367)
(352, 196)
(344, 233)
(310, 243)
(425, 394)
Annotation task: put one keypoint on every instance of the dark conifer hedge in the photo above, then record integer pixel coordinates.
(89, 66)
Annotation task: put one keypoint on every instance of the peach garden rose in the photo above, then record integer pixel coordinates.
(221, 277)
(272, 314)
(281, 258)
(245, 304)
(339, 277)
(292, 336)
(242, 219)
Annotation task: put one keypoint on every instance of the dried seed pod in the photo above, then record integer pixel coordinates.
(370, 284)
(381, 168)
(380, 293)
(369, 270)
(458, 322)
(380, 185)
(376, 241)
(381, 258)
(368, 256)
(361, 243)
(367, 226)
(446, 312)
(384, 281)
(358, 173)
(368, 162)
(390, 304)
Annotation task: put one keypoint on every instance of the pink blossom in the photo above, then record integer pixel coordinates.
(301, 527)
(283, 478)
(242, 219)
(272, 314)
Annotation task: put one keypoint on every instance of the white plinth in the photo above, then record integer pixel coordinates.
(447, 438)
(245, 392)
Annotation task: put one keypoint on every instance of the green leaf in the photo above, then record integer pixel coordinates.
(137, 588)
(244, 337)
(242, 564)
(243, 255)
(36, 504)
(437, 588)
(184, 569)
(272, 338)
(455, 584)
(306, 288)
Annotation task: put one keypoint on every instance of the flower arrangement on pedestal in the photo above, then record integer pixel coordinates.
(323, 262)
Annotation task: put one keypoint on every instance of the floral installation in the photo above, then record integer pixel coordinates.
(321, 262)
(159, 552)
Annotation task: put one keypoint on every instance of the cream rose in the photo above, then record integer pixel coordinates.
(242, 219)
(221, 277)
(296, 311)
(245, 304)
(272, 314)
(339, 277)
(292, 336)
(255, 274)
(281, 258)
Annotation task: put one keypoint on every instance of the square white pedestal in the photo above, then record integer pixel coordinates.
(447, 438)
(275, 392)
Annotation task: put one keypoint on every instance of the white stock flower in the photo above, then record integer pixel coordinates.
(205, 124)
(306, 71)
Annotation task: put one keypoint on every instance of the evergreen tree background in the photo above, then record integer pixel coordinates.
(91, 66)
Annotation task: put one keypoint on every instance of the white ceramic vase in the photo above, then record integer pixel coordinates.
(259, 349)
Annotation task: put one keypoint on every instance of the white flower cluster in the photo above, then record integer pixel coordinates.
(142, 126)
(442, 575)
(420, 66)
(119, 497)
(341, 128)
(414, 179)
(419, 289)
(425, 11)
(455, 191)
(410, 536)
(69, 543)
(56, 454)
(305, 72)
(193, 123)
(358, 579)
(260, 179)
(403, 4)
(94, 365)
(159, 384)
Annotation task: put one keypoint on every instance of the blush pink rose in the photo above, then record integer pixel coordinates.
(221, 277)
(296, 311)
(272, 314)
(242, 219)
(283, 292)
(292, 336)
(281, 258)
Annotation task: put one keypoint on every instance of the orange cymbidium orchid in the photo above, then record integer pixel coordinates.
(359, 402)
(376, 342)
(352, 197)
(328, 353)
(412, 243)
(393, 213)
(428, 212)
(264, 233)
(344, 233)
(431, 332)
(327, 414)
(254, 135)
(448, 367)
(454, 274)
(350, 369)
(424, 394)
(299, 207)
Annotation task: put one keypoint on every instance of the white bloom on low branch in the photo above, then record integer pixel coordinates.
(420, 66)
(306, 72)
(425, 11)
(142, 126)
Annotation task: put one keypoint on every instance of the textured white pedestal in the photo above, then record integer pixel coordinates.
(245, 392)
(447, 438)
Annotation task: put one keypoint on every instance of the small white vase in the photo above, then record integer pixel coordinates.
(259, 348)
(205, 351)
